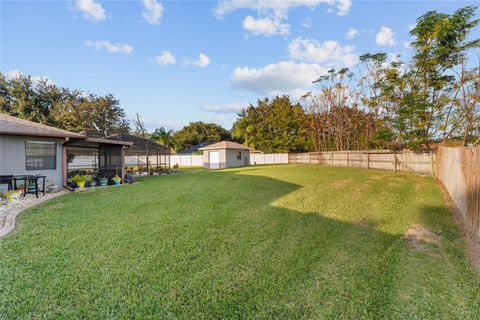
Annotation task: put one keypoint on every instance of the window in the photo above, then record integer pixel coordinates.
(239, 155)
(40, 155)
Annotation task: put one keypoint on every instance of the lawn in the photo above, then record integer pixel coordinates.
(273, 242)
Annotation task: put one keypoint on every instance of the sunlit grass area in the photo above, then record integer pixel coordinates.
(259, 242)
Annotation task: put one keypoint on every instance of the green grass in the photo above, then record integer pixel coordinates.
(272, 242)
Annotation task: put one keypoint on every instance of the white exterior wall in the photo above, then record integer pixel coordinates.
(12, 158)
(232, 161)
(228, 158)
(222, 154)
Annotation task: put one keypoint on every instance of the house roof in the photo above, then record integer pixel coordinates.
(225, 145)
(14, 126)
(194, 148)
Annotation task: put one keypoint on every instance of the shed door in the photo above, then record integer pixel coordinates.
(214, 159)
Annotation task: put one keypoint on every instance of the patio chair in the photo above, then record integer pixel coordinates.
(7, 180)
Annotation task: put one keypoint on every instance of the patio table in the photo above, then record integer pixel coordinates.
(26, 179)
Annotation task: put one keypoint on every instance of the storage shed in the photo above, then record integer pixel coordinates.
(225, 154)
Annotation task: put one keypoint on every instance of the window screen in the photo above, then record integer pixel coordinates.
(239, 155)
(40, 155)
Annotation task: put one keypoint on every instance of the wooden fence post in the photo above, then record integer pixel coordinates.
(368, 160)
(332, 158)
(432, 163)
(310, 158)
(348, 164)
(394, 162)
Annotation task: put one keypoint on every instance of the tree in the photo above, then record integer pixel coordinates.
(141, 131)
(272, 126)
(163, 136)
(198, 132)
(44, 102)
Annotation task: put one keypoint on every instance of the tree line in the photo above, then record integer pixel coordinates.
(386, 103)
(75, 110)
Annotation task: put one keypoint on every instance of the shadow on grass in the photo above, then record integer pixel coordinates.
(202, 245)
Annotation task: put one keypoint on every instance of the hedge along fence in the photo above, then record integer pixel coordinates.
(420, 163)
(458, 169)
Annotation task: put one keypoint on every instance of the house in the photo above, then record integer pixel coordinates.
(29, 148)
(225, 154)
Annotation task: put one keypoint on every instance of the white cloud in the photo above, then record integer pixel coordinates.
(278, 8)
(273, 13)
(110, 47)
(152, 12)
(202, 61)
(91, 10)
(165, 58)
(307, 23)
(328, 53)
(277, 78)
(406, 44)
(15, 74)
(265, 26)
(352, 33)
(385, 37)
(233, 107)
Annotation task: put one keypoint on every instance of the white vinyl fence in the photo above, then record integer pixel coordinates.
(187, 160)
(142, 160)
(268, 158)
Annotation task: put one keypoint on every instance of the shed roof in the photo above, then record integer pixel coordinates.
(225, 145)
(15, 126)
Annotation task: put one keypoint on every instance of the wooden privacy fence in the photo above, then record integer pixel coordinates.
(420, 163)
(459, 171)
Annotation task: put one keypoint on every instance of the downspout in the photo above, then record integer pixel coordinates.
(64, 161)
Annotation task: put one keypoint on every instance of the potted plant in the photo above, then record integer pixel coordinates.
(11, 195)
(88, 179)
(80, 180)
(103, 181)
(92, 183)
(52, 187)
(116, 180)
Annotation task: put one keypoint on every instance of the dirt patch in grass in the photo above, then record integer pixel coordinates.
(421, 238)
(471, 241)
(341, 182)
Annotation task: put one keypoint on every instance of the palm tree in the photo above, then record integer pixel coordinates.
(163, 136)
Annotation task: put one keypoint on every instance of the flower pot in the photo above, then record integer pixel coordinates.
(81, 184)
(116, 182)
(103, 182)
(92, 184)
(52, 189)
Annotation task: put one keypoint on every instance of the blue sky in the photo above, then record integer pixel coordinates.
(179, 61)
